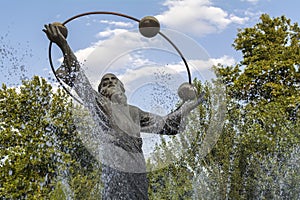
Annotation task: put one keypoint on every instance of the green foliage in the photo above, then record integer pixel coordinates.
(28, 143)
(262, 130)
(257, 154)
(172, 182)
(41, 155)
(271, 61)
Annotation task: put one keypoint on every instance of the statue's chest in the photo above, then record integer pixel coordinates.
(125, 120)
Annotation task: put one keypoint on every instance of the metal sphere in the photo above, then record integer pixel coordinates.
(62, 28)
(149, 26)
(186, 92)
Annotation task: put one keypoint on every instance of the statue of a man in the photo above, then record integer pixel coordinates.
(124, 168)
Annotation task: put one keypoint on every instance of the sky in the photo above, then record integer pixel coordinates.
(203, 30)
(150, 68)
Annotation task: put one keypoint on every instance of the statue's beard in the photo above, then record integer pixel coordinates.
(115, 94)
(119, 97)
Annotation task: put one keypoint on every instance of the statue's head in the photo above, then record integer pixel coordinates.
(111, 85)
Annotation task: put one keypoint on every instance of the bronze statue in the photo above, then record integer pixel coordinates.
(124, 168)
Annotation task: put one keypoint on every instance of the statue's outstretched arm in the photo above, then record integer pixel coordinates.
(172, 123)
(70, 66)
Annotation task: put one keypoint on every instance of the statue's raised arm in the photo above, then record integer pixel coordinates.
(71, 73)
(70, 66)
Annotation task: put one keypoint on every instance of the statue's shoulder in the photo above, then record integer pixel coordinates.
(135, 111)
(134, 108)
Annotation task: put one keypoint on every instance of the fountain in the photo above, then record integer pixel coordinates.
(115, 140)
(152, 70)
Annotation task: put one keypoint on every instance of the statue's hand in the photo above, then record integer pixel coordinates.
(189, 105)
(56, 33)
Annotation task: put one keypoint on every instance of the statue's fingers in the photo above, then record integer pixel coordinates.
(46, 31)
(45, 28)
(52, 30)
(49, 28)
(58, 31)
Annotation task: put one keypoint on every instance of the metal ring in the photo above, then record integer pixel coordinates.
(117, 14)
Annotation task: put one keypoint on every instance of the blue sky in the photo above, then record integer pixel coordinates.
(212, 24)
(204, 31)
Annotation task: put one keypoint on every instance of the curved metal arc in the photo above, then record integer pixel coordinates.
(117, 14)
(100, 12)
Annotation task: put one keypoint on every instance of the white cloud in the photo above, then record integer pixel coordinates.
(117, 23)
(82, 54)
(198, 17)
(253, 15)
(121, 53)
(172, 75)
(237, 20)
(111, 32)
(117, 52)
(224, 60)
(110, 54)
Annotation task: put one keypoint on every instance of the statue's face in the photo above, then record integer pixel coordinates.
(112, 86)
(109, 81)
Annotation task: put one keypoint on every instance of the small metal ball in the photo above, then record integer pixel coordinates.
(62, 28)
(149, 26)
(187, 92)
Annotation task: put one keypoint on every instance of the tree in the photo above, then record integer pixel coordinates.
(41, 155)
(256, 154)
(263, 121)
